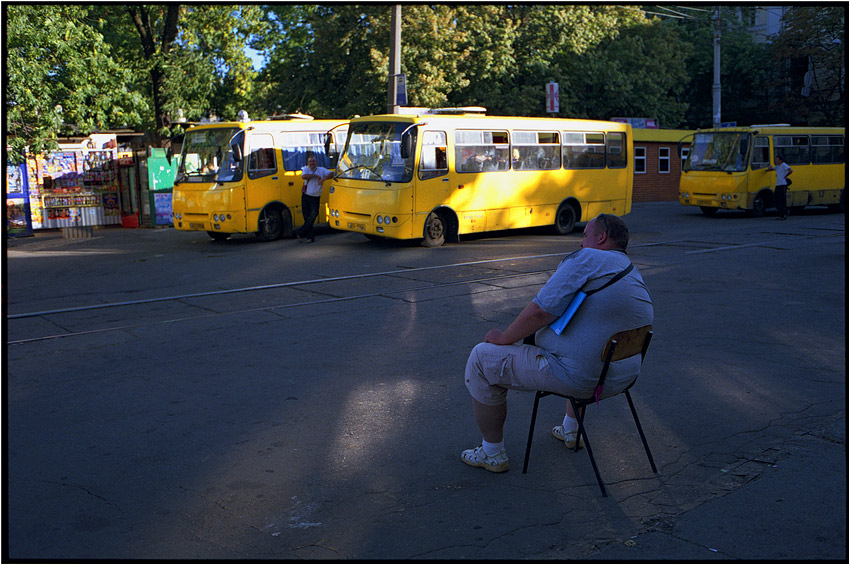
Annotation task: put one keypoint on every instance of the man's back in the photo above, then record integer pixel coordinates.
(575, 355)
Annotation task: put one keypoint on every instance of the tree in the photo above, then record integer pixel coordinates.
(61, 78)
(639, 72)
(744, 69)
(811, 41)
(187, 58)
(332, 61)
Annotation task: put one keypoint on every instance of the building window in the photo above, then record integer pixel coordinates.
(663, 160)
(685, 152)
(640, 160)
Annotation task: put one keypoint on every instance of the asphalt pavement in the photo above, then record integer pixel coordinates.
(322, 419)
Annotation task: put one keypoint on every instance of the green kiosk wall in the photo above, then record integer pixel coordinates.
(160, 177)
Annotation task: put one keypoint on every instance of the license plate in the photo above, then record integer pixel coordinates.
(196, 226)
(353, 226)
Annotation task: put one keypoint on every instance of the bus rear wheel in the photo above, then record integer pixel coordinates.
(435, 230)
(565, 219)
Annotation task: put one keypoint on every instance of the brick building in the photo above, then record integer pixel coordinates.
(658, 164)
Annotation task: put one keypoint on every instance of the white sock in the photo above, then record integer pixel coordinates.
(493, 449)
(570, 424)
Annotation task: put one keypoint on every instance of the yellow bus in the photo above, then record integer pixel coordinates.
(244, 177)
(726, 168)
(436, 174)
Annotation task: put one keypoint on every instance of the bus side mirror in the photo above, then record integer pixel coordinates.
(236, 149)
(406, 146)
(333, 156)
(169, 154)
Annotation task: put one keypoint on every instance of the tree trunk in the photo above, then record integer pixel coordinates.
(141, 17)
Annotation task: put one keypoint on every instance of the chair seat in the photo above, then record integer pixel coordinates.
(621, 345)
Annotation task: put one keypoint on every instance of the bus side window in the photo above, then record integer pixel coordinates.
(434, 161)
(535, 151)
(477, 150)
(827, 149)
(616, 150)
(794, 148)
(584, 150)
(261, 160)
(761, 153)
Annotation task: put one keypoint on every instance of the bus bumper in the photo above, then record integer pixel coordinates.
(729, 201)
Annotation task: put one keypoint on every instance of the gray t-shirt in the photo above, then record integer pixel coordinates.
(575, 356)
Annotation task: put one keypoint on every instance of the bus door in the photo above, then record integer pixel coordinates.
(760, 160)
(433, 185)
(484, 195)
(263, 184)
(795, 150)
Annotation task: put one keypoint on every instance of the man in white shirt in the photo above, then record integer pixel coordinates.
(780, 193)
(313, 176)
(568, 363)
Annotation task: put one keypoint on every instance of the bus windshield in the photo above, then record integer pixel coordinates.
(716, 151)
(373, 152)
(207, 156)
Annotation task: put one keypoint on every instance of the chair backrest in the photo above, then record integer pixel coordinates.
(623, 345)
(627, 344)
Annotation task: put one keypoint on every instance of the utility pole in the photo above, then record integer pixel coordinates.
(715, 88)
(395, 61)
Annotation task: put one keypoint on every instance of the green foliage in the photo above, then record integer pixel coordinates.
(110, 65)
(640, 72)
(332, 61)
(61, 78)
(189, 58)
(813, 40)
(745, 70)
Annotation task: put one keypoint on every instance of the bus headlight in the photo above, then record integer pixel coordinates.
(386, 220)
(380, 219)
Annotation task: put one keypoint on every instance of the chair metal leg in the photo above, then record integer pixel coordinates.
(582, 432)
(537, 396)
(640, 431)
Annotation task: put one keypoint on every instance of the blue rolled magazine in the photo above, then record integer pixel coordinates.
(558, 325)
(561, 323)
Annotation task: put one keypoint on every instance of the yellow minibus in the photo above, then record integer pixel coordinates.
(244, 177)
(436, 174)
(727, 168)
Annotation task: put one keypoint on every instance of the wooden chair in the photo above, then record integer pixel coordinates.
(621, 346)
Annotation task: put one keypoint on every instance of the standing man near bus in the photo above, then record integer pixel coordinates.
(568, 363)
(782, 181)
(313, 176)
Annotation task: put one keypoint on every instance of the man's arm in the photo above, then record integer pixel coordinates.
(531, 319)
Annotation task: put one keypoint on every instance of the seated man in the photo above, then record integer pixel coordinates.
(569, 363)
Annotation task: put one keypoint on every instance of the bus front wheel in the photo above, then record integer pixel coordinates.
(565, 219)
(759, 206)
(709, 210)
(271, 224)
(435, 230)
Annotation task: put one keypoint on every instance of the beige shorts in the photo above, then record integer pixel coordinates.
(492, 370)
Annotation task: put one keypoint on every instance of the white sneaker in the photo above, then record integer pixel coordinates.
(477, 458)
(568, 438)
